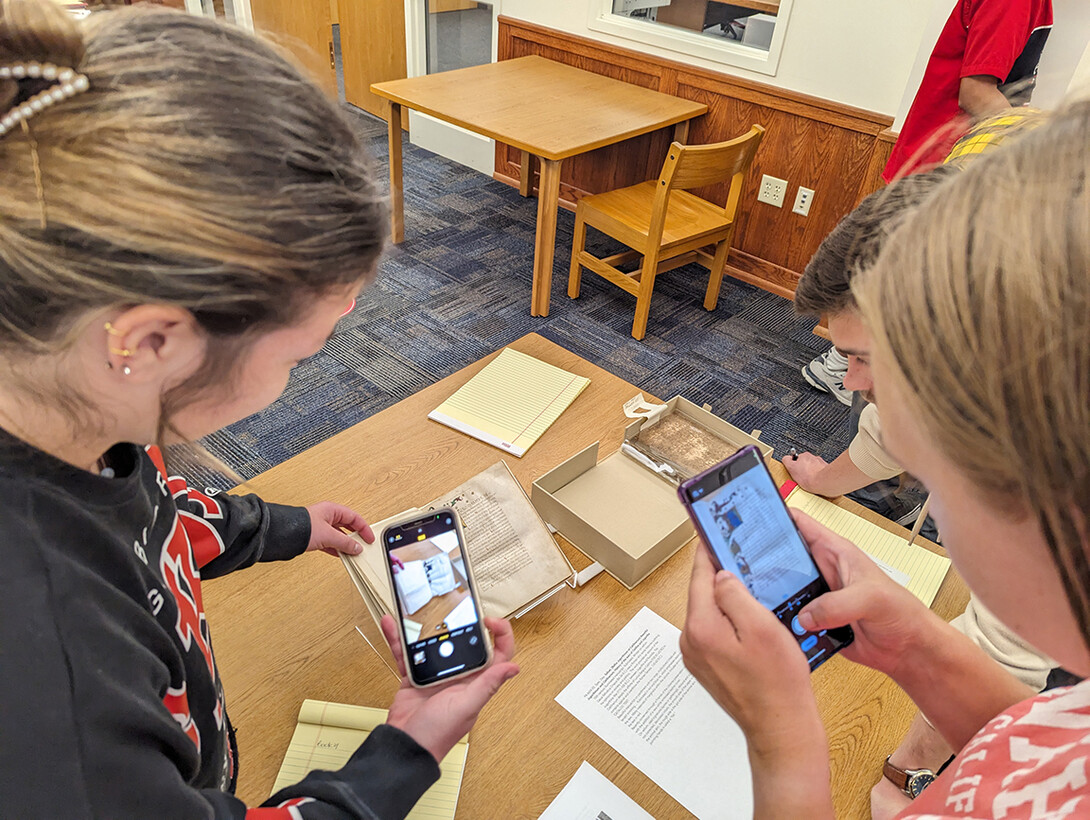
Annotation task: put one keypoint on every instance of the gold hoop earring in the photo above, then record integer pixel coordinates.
(113, 331)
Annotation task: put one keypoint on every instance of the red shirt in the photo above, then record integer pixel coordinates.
(998, 38)
(1033, 761)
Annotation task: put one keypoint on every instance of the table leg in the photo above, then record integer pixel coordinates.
(397, 191)
(526, 175)
(548, 198)
(681, 132)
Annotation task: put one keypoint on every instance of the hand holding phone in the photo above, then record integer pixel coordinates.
(438, 717)
(441, 624)
(746, 526)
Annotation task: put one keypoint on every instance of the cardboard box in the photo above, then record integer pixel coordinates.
(618, 512)
(722, 439)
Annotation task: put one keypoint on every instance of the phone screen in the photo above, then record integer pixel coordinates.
(750, 533)
(440, 617)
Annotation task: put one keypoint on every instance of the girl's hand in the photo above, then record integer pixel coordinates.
(887, 619)
(440, 716)
(326, 519)
(749, 662)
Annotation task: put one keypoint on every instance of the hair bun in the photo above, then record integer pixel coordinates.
(39, 31)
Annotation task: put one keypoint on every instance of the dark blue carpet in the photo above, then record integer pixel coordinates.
(459, 288)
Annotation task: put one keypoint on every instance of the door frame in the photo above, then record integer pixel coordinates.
(450, 141)
(238, 10)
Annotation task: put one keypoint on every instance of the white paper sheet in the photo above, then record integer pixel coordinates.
(638, 697)
(589, 795)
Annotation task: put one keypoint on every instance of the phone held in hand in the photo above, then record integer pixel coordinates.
(440, 620)
(748, 531)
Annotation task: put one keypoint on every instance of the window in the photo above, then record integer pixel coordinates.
(747, 33)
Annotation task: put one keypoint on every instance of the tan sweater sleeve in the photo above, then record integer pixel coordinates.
(866, 451)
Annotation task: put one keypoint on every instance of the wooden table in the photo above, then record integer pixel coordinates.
(545, 109)
(286, 631)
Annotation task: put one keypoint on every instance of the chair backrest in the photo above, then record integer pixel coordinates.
(694, 166)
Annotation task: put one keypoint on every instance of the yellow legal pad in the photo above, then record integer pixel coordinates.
(511, 401)
(914, 567)
(328, 733)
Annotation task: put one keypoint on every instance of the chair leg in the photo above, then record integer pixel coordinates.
(643, 298)
(579, 240)
(715, 278)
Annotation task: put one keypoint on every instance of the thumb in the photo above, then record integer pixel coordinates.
(487, 684)
(331, 537)
(834, 609)
(736, 601)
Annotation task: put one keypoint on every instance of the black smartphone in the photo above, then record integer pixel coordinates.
(745, 523)
(439, 611)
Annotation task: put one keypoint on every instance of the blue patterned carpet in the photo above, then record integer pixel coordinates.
(459, 288)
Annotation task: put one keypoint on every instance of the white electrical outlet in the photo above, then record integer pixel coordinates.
(772, 191)
(802, 201)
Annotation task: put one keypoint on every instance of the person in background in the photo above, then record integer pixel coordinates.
(984, 63)
(865, 471)
(977, 310)
(184, 218)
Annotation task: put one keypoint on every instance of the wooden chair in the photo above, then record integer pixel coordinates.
(664, 223)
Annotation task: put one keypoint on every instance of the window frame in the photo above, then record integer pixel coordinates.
(692, 44)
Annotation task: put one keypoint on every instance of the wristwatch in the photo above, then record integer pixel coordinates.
(911, 781)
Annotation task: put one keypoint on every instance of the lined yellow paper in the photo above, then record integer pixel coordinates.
(923, 569)
(511, 402)
(328, 733)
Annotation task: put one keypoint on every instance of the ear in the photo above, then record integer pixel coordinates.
(157, 343)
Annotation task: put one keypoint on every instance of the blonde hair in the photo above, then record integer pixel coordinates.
(981, 300)
(201, 169)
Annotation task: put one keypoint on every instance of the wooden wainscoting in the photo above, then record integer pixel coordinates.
(836, 150)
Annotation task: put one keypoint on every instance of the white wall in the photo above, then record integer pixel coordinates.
(1066, 46)
(857, 52)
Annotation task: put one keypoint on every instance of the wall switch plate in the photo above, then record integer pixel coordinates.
(772, 191)
(803, 198)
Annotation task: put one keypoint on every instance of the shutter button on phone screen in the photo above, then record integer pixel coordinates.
(446, 649)
(796, 627)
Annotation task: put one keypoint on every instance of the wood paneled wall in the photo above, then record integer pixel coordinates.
(836, 150)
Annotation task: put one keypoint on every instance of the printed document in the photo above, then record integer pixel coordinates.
(590, 795)
(638, 697)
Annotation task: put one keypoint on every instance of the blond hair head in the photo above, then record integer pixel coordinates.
(201, 169)
(981, 301)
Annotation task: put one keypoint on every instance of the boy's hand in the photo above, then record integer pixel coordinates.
(805, 469)
(326, 519)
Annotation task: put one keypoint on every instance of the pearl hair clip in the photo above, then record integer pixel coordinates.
(66, 83)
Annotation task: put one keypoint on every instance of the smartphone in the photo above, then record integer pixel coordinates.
(439, 611)
(745, 523)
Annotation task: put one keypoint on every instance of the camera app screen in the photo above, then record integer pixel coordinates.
(431, 581)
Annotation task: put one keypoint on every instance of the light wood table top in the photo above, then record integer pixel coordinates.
(545, 109)
(552, 110)
(284, 632)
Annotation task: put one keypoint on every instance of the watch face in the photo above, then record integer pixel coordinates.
(918, 782)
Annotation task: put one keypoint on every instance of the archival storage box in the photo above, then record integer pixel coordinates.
(617, 511)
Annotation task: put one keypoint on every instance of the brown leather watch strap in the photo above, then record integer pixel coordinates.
(898, 777)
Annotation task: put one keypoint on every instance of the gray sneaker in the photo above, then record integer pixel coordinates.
(826, 373)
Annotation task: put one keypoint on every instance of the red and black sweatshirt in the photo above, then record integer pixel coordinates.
(110, 702)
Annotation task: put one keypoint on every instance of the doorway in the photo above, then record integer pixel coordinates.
(443, 35)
